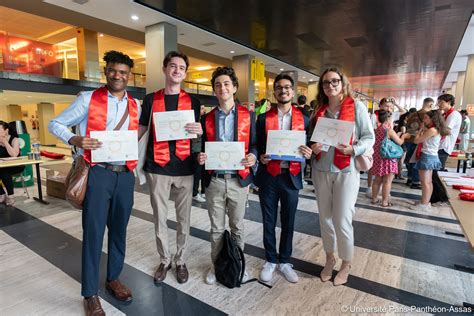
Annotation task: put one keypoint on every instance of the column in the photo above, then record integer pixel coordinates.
(88, 55)
(45, 114)
(160, 39)
(468, 91)
(312, 91)
(460, 88)
(453, 88)
(242, 67)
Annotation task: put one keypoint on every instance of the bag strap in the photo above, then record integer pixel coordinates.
(242, 273)
(122, 120)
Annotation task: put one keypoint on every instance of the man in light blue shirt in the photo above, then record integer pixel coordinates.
(109, 196)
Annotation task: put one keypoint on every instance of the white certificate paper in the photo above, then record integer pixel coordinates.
(225, 155)
(169, 125)
(332, 132)
(284, 145)
(116, 146)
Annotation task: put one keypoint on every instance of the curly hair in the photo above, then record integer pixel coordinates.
(321, 97)
(115, 57)
(225, 71)
(438, 122)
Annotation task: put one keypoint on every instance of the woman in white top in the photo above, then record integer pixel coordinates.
(428, 140)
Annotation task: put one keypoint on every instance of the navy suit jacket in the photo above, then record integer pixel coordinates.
(262, 175)
(251, 150)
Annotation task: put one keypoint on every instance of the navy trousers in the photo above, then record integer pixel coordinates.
(272, 190)
(108, 202)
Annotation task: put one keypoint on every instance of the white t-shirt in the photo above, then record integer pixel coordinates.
(453, 122)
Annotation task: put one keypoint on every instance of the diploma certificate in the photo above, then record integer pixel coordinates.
(225, 155)
(332, 132)
(116, 146)
(169, 125)
(284, 145)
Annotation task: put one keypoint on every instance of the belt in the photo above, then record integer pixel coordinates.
(225, 175)
(114, 168)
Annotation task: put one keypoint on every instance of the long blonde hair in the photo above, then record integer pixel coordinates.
(321, 97)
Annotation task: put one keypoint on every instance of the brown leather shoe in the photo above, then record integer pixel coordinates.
(160, 274)
(119, 290)
(182, 273)
(92, 306)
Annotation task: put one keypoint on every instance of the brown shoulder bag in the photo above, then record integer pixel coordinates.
(76, 180)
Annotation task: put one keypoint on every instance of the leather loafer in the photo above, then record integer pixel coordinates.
(160, 274)
(182, 273)
(119, 291)
(92, 306)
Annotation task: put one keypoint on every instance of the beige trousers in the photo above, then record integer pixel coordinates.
(337, 194)
(182, 189)
(226, 196)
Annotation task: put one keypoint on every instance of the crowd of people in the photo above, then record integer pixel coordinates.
(175, 168)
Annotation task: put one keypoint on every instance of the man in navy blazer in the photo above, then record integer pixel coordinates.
(227, 190)
(279, 180)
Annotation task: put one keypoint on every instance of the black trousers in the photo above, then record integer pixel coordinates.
(439, 191)
(6, 177)
(198, 175)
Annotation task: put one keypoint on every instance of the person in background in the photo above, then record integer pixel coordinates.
(386, 104)
(384, 168)
(302, 104)
(465, 131)
(9, 147)
(227, 189)
(452, 120)
(263, 107)
(334, 173)
(414, 124)
(401, 129)
(198, 174)
(428, 139)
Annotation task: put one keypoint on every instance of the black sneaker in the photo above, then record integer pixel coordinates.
(408, 182)
(416, 186)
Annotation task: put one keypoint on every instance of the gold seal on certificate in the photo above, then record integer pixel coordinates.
(169, 125)
(225, 155)
(284, 145)
(116, 146)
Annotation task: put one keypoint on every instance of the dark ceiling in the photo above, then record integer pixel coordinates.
(364, 37)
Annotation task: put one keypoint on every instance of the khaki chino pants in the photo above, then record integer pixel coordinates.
(226, 196)
(160, 188)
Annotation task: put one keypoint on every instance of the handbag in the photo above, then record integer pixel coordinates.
(389, 149)
(76, 180)
(365, 161)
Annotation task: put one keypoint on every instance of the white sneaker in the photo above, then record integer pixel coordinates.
(211, 276)
(246, 277)
(266, 274)
(421, 207)
(288, 272)
(199, 198)
(368, 193)
(440, 204)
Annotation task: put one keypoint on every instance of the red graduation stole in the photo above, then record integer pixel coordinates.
(271, 123)
(243, 131)
(161, 149)
(347, 113)
(97, 119)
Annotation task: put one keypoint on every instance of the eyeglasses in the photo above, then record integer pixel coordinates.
(332, 82)
(387, 100)
(281, 88)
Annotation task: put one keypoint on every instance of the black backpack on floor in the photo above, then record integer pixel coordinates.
(230, 263)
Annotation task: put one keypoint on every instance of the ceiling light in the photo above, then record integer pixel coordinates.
(310, 79)
(257, 84)
(281, 69)
(232, 51)
(201, 68)
(304, 77)
(29, 96)
(101, 35)
(201, 79)
(135, 17)
(270, 83)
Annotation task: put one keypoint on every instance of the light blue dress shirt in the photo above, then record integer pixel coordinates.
(76, 114)
(225, 130)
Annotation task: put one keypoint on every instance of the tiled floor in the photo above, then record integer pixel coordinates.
(403, 258)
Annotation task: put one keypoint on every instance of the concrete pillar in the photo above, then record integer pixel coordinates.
(453, 89)
(88, 55)
(468, 91)
(312, 91)
(45, 114)
(242, 67)
(160, 39)
(460, 88)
